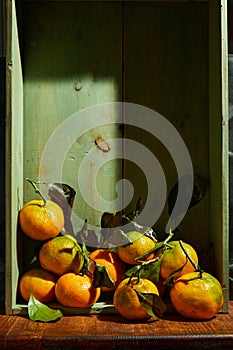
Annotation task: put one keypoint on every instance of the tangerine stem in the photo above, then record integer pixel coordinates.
(196, 267)
(171, 234)
(37, 191)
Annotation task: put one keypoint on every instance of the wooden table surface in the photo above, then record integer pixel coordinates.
(113, 332)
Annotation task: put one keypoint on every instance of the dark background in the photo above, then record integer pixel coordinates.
(2, 143)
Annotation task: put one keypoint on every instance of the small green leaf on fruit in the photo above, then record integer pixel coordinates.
(133, 271)
(148, 270)
(159, 307)
(85, 253)
(38, 311)
(151, 271)
(151, 303)
(102, 277)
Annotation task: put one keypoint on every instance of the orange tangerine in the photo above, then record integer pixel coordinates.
(76, 291)
(40, 283)
(174, 258)
(61, 255)
(39, 221)
(197, 297)
(140, 245)
(126, 300)
(110, 259)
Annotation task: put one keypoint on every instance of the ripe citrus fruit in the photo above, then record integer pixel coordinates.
(195, 297)
(76, 291)
(141, 244)
(126, 300)
(40, 283)
(39, 221)
(174, 258)
(61, 254)
(110, 259)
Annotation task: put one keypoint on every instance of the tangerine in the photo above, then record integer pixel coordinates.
(197, 297)
(76, 291)
(61, 255)
(40, 283)
(174, 258)
(41, 221)
(115, 266)
(126, 300)
(141, 244)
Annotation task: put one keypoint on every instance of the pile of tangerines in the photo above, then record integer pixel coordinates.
(67, 275)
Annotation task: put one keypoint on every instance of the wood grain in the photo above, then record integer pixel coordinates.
(72, 60)
(166, 69)
(94, 332)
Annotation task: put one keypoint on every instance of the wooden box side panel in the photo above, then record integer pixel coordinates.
(14, 154)
(218, 149)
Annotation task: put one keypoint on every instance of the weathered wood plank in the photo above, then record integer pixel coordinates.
(72, 60)
(218, 126)
(93, 332)
(166, 69)
(14, 154)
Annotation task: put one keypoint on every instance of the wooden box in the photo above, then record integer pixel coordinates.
(169, 56)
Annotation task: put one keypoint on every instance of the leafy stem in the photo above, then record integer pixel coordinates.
(137, 270)
(158, 246)
(196, 266)
(37, 191)
(143, 263)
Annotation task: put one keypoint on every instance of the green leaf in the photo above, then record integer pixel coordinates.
(151, 303)
(63, 195)
(159, 307)
(87, 236)
(133, 271)
(159, 245)
(111, 220)
(131, 216)
(102, 277)
(148, 270)
(151, 271)
(86, 265)
(38, 311)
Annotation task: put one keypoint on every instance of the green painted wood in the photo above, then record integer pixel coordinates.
(166, 69)
(72, 60)
(14, 154)
(74, 57)
(218, 125)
